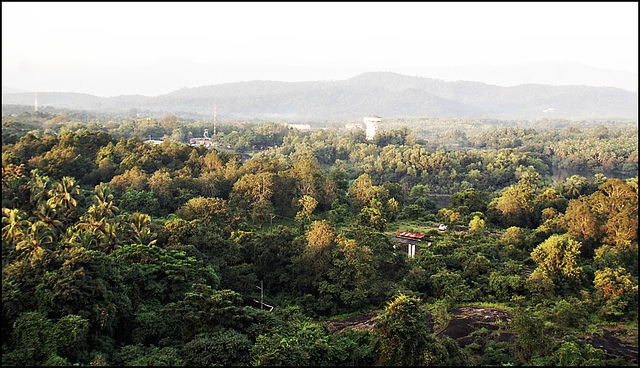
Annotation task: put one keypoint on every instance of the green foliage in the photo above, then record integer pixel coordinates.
(139, 200)
(505, 284)
(372, 216)
(152, 324)
(497, 353)
(616, 291)
(570, 313)
(400, 337)
(353, 275)
(204, 308)
(32, 340)
(295, 341)
(165, 274)
(477, 224)
(40, 341)
(271, 255)
(572, 352)
(474, 200)
(226, 347)
(514, 206)
(531, 340)
(308, 204)
(140, 355)
(92, 274)
(448, 285)
(557, 258)
(400, 334)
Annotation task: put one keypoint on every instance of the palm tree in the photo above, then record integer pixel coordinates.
(40, 187)
(104, 199)
(34, 244)
(94, 219)
(47, 212)
(63, 195)
(139, 223)
(15, 224)
(109, 236)
(77, 237)
(573, 186)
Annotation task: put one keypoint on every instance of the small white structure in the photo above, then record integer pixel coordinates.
(299, 126)
(371, 122)
(352, 126)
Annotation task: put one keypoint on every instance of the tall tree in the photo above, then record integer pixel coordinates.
(36, 242)
(64, 194)
(557, 258)
(14, 224)
(400, 335)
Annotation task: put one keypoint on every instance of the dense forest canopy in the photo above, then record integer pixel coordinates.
(123, 252)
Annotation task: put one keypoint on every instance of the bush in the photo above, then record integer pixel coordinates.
(223, 347)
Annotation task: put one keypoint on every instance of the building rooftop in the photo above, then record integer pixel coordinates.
(404, 234)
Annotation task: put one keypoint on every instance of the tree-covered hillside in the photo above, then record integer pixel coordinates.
(387, 94)
(117, 251)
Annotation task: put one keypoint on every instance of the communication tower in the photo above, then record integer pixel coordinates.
(214, 119)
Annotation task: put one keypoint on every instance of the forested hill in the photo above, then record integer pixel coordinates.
(381, 93)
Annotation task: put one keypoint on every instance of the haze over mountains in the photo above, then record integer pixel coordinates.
(170, 73)
(197, 88)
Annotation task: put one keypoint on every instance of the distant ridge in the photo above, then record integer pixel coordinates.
(385, 93)
(13, 90)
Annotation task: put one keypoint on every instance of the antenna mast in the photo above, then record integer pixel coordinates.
(214, 119)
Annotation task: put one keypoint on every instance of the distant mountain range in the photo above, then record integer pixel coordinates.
(170, 73)
(379, 93)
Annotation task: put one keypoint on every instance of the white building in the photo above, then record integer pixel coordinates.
(299, 126)
(371, 122)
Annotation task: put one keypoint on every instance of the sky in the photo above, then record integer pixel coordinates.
(368, 35)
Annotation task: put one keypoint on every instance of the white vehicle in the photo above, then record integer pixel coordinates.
(442, 227)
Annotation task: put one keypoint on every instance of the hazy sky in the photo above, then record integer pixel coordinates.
(371, 35)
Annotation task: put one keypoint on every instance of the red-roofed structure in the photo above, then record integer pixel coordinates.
(408, 235)
(410, 239)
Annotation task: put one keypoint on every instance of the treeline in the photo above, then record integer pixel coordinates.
(595, 149)
(121, 252)
(585, 147)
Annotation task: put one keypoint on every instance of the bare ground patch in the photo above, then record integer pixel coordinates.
(477, 324)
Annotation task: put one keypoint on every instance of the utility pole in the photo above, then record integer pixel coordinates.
(261, 287)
